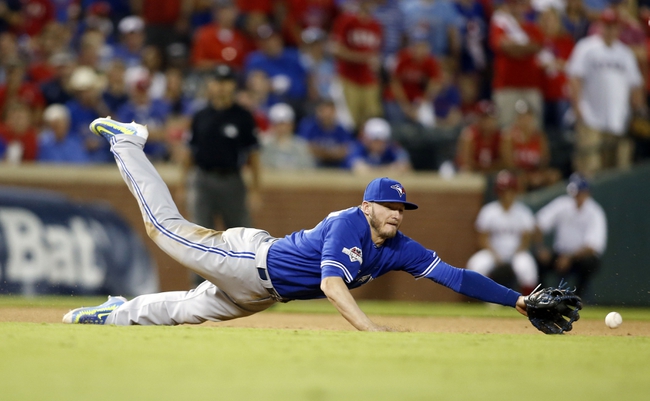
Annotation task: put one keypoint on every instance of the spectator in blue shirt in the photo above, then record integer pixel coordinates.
(86, 106)
(54, 143)
(151, 112)
(377, 153)
(115, 95)
(447, 103)
(473, 33)
(318, 62)
(283, 67)
(391, 17)
(329, 142)
(442, 22)
(56, 90)
(132, 40)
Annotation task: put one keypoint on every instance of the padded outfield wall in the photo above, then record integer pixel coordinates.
(624, 277)
(445, 221)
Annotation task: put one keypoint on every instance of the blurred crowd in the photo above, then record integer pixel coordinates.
(332, 83)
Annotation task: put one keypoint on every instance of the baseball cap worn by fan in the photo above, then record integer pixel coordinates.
(376, 128)
(281, 113)
(131, 24)
(387, 190)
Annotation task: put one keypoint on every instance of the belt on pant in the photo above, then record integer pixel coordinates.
(262, 271)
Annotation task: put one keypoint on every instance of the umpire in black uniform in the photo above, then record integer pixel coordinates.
(223, 140)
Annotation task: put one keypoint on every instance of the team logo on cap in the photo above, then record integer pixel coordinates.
(230, 131)
(355, 254)
(400, 189)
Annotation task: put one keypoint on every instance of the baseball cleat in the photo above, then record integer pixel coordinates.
(108, 128)
(94, 314)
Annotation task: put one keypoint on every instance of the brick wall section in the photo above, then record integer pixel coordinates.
(443, 223)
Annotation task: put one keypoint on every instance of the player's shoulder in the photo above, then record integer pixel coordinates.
(346, 222)
(594, 205)
(521, 207)
(351, 214)
(491, 207)
(203, 112)
(588, 44)
(237, 108)
(562, 202)
(403, 243)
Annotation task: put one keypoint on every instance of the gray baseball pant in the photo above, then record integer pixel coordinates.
(228, 260)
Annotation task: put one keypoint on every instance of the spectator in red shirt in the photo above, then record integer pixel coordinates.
(256, 6)
(220, 42)
(524, 149)
(18, 89)
(478, 145)
(515, 42)
(558, 44)
(299, 15)
(356, 47)
(18, 133)
(34, 15)
(166, 21)
(414, 82)
(54, 38)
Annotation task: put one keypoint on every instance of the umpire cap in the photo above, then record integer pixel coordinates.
(387, 190)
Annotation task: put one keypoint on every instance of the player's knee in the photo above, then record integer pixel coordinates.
(481, 262)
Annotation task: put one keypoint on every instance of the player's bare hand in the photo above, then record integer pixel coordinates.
(521, 306)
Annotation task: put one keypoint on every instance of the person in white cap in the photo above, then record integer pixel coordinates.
(284, 150)
(376, 152)
(55, 145)
(132, 40)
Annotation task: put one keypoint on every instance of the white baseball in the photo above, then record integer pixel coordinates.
(613, 320)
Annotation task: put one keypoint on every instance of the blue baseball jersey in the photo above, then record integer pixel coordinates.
(341, 246)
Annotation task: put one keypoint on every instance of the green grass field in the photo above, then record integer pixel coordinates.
(60, 362)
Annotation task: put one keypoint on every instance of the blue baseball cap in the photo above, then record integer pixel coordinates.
(387, 190)
(577, 183)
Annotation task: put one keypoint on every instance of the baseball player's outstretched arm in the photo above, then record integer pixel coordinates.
(339, 295)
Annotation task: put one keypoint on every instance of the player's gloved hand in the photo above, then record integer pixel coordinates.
(553, 310)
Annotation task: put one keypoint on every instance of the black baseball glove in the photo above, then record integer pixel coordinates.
(554, 309)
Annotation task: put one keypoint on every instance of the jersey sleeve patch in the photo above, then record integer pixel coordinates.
(355, 254)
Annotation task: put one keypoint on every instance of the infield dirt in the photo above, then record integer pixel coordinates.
(302, 321)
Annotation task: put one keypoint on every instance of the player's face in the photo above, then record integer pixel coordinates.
(385, 218)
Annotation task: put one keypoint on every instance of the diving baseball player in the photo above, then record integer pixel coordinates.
(247, 270)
